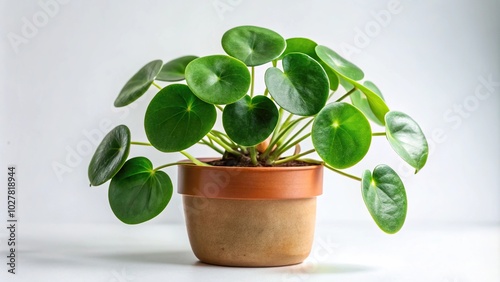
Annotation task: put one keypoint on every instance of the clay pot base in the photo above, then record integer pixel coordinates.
(251, 233)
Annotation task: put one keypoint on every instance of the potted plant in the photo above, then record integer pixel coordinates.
(255, 204)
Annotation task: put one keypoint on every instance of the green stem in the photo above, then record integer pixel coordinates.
(281, 151)
(193, 159)
(140, 143)
(167, 165)
(266, 92)
(287, 147)
(224, 138)
(294, 157)
(157, 86)
(211, 145)
(253, 155)
(275, 62)
(286, 130)
(342, 173)
(222, 144)
(252, 83)
(378, 134)
(346, 94)
(273, 136)
(287, 121)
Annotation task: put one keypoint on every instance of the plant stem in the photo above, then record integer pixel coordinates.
(342, 173)
(278, 152)
(166, 165)
(220, 108)
(193, 159)
(294, 157)
(346, 94)
(273, 136)
(211, 145)
(287, 121)
(275, 62)
(378, 134)
(224, 138)
(157, 86)
(266, 92)
(252, 83)
(287, 129)
(253, 155)
(140, 143)
(285, 147)
(222, 144)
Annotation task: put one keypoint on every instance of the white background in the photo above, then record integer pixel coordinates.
(58, 86)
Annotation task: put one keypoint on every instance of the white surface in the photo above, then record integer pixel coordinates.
(342, 252)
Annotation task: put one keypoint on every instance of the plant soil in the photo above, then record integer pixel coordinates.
(245, 161)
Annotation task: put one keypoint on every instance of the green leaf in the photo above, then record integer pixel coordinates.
(385, 197)
(338, 63)
(375, 101)
(176, 119)
(253, 45)
(407, 139)
(341, 135)
(110, 155)
(138, 193)
(300, 45)
(250, 121)
(218, 79)
(302, 88)
(360, 101)
(307, 46)
(138, 84)
(174, 70)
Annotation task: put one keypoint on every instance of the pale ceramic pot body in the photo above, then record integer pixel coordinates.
(250, 216)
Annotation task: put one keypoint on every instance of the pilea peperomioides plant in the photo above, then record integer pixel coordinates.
(299, 102)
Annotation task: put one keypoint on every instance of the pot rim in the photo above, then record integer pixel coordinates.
(258, 183)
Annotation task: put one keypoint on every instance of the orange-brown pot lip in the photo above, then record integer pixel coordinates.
(229, 182)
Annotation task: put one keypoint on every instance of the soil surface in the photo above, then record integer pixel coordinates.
(245, 161)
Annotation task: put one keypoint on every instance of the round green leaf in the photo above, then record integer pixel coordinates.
(218, 79)
(110, 155)
(338, 63)
(250, 121)
(360, 101)
(176, 119)
(341, 135)
(138, 84)
(138, 193)
(302, 88)
(307, 46)
(407, 139)
(253, 45)
(385, 197)
(174, 70)
(300, 45)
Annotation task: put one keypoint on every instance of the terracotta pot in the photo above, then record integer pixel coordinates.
(251, 216)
